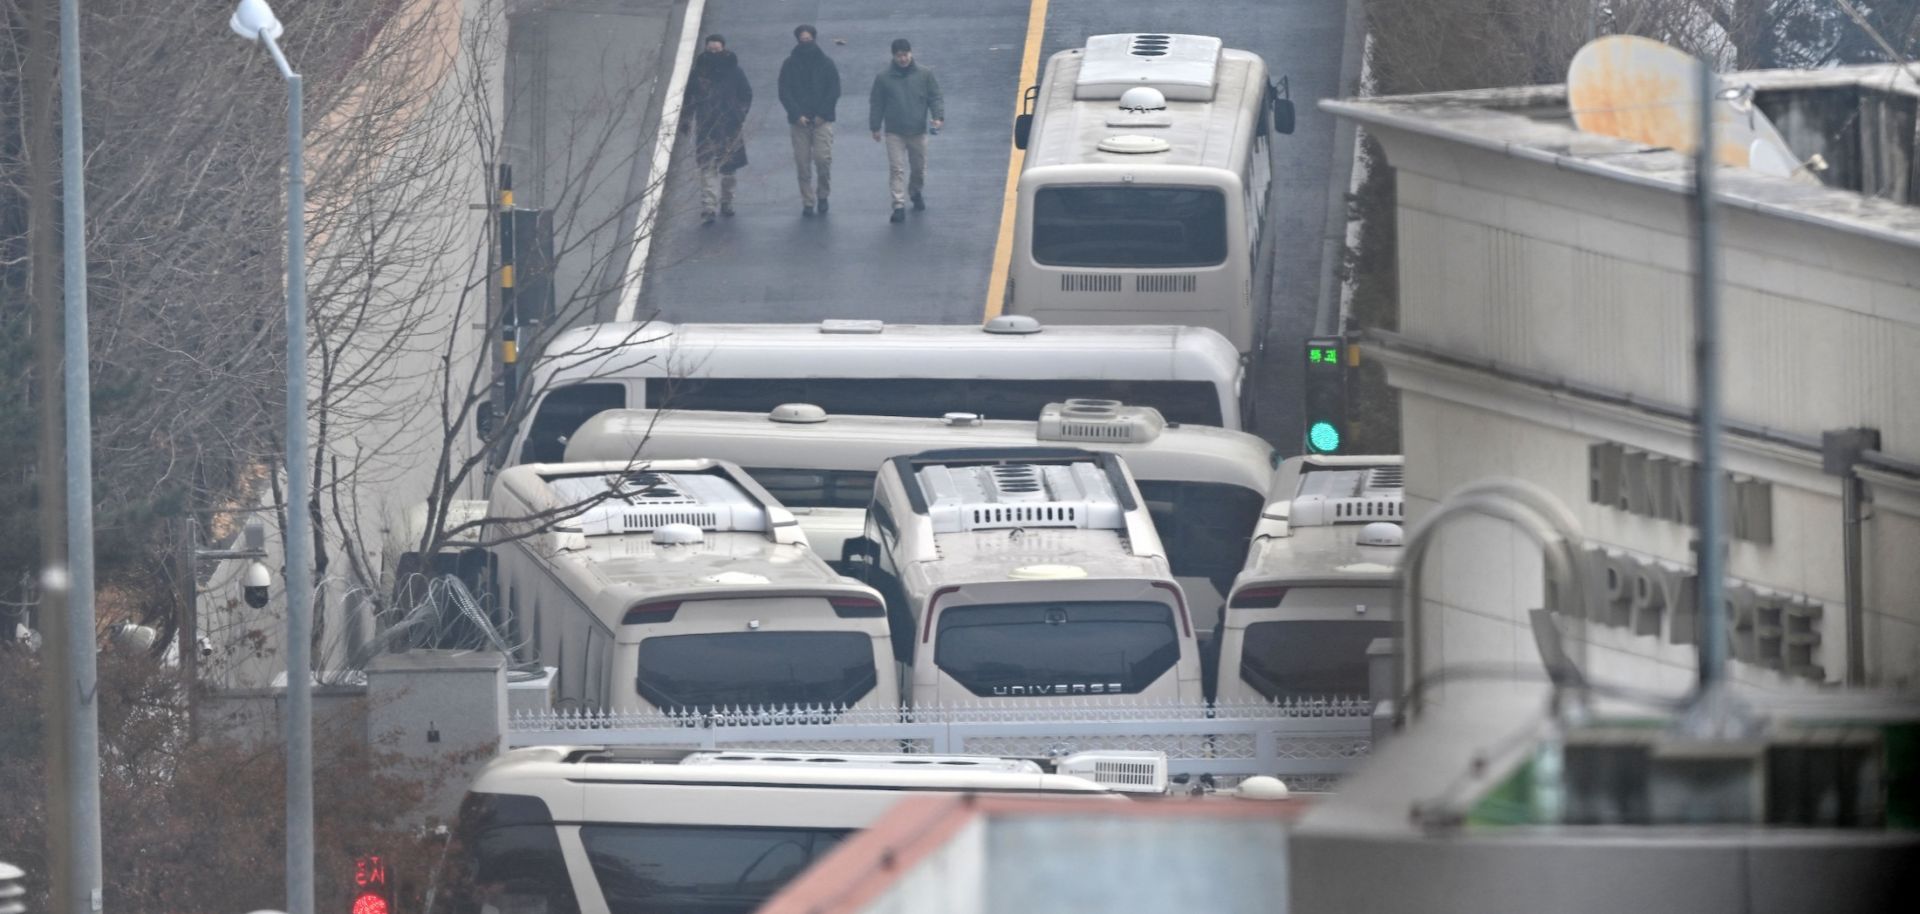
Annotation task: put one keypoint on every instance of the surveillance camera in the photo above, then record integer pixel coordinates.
(205, 645)
(254, 584)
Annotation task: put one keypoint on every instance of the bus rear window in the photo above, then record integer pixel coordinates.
(1068, 648)
(755, 669)
(1129, 227)
(1306, 658)
(650, 869)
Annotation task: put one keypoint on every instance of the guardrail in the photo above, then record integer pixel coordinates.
(1309, 743)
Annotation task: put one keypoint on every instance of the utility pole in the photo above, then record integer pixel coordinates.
(509, 295)
(43, 238)
(1712, 712)
(81, 674)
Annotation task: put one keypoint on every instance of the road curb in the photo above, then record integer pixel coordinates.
(1328, 318)
(664, 139)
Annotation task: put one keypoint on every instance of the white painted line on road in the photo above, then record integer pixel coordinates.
(636, 272)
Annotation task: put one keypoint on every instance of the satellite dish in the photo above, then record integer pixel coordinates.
(1639, 89)
(1764, 158)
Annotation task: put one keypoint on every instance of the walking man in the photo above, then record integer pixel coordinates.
(717, 101)
(810, 90)
(905, 98)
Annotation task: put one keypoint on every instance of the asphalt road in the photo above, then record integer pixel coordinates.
(769, 264)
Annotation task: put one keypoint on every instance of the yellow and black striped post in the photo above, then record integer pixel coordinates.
(509, 302)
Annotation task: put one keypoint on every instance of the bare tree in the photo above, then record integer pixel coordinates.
(187, 831)
(406, 406)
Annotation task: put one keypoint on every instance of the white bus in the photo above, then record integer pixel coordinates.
(1204, 486)
(1008, 369)
(599, 830)
(1027, 577)
(680, 586)
(1318, 586)
(1144, 194)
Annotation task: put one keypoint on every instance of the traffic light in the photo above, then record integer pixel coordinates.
(370, 892)
(1324, 390)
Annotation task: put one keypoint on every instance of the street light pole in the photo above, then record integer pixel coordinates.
(83, 729)
(254, 20)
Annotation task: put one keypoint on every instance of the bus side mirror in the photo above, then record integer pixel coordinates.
(859, 551)
(1283, 115)
(484, 420)
(1023, 125)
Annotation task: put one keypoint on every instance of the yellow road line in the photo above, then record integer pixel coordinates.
(1003, 248)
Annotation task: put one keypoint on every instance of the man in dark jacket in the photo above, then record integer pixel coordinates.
(905, 98)
(810, 90)
(718, 98)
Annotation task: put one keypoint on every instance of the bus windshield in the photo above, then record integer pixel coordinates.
(1303, 658)
(1066, 648)
(758, 669)
(644, 869)
(1129, 227)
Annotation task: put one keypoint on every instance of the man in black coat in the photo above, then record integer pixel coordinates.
(810, 89)
(718, 98)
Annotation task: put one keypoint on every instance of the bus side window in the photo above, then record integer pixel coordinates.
(561, 413)
(515, 854)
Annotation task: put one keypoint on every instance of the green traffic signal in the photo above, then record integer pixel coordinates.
(1323, 437)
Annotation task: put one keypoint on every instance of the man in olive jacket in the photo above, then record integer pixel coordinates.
(810, 90)
(905, 98)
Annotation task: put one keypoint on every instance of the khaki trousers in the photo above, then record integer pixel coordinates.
(906, 166)
(713, 198)
(813, 154)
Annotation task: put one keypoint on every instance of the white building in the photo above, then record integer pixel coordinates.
(1545, 334)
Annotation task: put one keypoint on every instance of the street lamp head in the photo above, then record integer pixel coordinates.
(254, 20)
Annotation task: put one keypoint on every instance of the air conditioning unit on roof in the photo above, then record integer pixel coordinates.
(1182, 67)
(1003, 496)
(1123, 771)
(640, 502)
(1099, 420)
(1348, 495)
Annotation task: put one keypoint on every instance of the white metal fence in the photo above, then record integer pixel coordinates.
(1307, 743)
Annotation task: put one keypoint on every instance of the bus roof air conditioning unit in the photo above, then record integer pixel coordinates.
(1182, 67)
(641, 502)
(1099, 420)
(1118, 770)
(1004, 496)
(1348, 495)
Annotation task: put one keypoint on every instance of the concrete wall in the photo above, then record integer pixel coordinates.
(1588, 279)
(259, 716)
(952, 880)
(1098, 863)
(443, 712)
